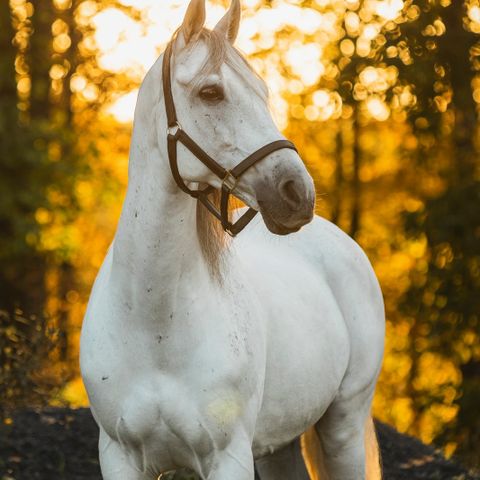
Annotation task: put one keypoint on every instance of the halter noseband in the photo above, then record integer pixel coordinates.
(229, 178)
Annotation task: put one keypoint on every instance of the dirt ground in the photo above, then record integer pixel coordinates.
(61, 444)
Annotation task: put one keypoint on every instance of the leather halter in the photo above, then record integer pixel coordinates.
(229, 178)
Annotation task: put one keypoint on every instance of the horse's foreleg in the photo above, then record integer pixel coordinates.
(348, 443)
(286, 464)
(114, 462)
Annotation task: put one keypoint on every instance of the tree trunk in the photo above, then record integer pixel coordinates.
(454, 49)
(8, 84)
(40, 59)
(71, 60)
(356, 187)
(339, 182)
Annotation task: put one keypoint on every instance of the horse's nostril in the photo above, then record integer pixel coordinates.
(289, 192)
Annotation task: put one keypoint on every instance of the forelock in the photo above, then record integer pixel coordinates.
(220, 51)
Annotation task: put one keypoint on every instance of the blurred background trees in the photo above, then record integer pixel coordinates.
(45, 163)
(381, 96)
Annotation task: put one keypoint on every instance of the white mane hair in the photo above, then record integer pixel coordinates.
(213, 240)
(221, 51)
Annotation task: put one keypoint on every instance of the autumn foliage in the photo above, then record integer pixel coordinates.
(381, 97)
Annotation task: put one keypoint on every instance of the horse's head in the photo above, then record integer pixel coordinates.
(222, 105)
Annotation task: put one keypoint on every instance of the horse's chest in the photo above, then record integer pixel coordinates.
(187, 389)
(164, 417)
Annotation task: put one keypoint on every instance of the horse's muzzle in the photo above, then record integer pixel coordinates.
(287, 205)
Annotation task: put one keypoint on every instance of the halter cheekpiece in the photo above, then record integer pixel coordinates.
(229, 178)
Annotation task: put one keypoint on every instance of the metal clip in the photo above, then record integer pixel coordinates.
(174, 129)
(229, 181)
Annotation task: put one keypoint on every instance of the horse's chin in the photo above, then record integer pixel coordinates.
(280, 228)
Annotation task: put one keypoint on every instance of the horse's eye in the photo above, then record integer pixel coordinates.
(212, 93)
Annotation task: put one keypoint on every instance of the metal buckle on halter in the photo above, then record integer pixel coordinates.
(174, 129)
(229, 232)
(229, 181)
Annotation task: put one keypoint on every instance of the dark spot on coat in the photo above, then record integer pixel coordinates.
(105, 377)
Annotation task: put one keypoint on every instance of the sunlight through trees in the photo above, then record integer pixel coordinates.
(382, 98)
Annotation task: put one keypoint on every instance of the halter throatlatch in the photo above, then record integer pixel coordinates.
(229, 178)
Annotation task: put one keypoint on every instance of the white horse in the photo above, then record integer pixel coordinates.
(214, 354)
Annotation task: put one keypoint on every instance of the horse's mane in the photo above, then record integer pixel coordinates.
(221, 51)
(213, 240)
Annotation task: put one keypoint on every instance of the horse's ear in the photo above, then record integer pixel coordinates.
(230, 23)
(194, 20)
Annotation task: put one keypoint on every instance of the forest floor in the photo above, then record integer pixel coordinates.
(61, 444)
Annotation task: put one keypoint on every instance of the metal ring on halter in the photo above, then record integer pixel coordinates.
(174, 129)
(229, 181)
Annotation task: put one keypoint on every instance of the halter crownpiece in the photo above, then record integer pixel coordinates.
(229, 178)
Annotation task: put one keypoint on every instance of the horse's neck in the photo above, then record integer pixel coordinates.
(156, 246)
